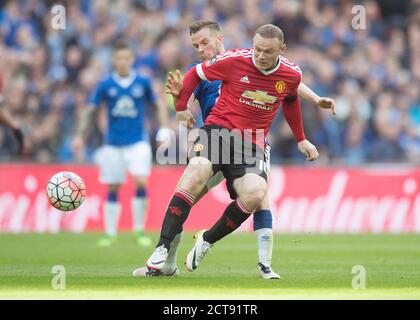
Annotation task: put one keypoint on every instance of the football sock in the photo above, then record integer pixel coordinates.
(263, 223)
(138, 207)
(265, 245)
(232, 218)
(177, 212)
(112, 214)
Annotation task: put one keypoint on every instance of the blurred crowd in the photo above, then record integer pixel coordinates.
(372, 72)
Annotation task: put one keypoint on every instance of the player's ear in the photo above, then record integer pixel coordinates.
(283, 49)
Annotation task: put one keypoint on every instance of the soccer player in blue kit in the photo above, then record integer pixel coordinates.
(207, 39)
(127, 146)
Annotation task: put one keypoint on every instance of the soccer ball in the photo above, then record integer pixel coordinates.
(66, 191)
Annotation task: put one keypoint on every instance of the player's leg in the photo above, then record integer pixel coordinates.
(171, 268)
(192, 182)
(211, 183)
(263, 224)
(263, 227)
(138, 209)
(138, 159)
(250, 190)
(112, 211)
(112, 173)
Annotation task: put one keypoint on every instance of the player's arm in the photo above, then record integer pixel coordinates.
(216, 69)
(158, 103)
(163, 133)
(323, 102)
(293, 115)
(86, 118)
(174, 87)
(162, 112)
(189, 83)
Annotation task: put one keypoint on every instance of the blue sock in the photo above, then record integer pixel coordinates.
(140, 193)
(112, 196)
(263, 219)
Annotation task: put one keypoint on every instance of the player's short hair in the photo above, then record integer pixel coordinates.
(121, 45)
(269, 31)
(201, 24)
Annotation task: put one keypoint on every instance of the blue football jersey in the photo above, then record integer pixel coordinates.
(126, 100)
(207, 93)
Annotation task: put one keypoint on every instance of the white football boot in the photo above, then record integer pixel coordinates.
(146, 272)
(157, 260)
(266, 272)
(197, 253)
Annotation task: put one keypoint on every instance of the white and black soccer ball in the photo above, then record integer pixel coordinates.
(66, 191)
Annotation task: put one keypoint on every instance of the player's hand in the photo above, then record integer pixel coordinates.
(327, 103)
(186, 117)
(308, 149)
(174, 83)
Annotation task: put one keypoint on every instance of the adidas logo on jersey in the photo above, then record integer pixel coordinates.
(244, 79)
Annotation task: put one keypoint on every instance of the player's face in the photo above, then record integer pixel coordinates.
(123, 60)
(267, 52)
(207, 43)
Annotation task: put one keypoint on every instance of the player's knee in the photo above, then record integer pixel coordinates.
(198, 172)
(114, 188)
(264, 205)
(140, 182)
(253, 192)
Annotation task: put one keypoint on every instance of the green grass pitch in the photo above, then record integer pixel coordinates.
(311, 266)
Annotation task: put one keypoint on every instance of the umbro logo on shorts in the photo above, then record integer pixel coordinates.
(244, 79)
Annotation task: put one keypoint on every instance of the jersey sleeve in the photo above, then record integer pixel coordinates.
(293, 92)
(149, 92)
(199, 87)
(98, 95)
(218, 68)
(291, 106)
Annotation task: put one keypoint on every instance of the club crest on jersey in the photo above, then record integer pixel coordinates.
(137, 91)
(280, 86)
(198, 147)
(112, 92)
(260, 97)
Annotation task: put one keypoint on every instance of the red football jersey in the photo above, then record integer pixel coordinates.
(249, 98)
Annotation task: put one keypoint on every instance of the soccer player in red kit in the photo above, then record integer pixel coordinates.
(254, 82)
(8, 121)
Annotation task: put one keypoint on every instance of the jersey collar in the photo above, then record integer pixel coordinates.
(124, 82)
(267, 72)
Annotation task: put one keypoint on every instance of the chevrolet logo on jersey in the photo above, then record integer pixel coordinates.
(259, 97)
